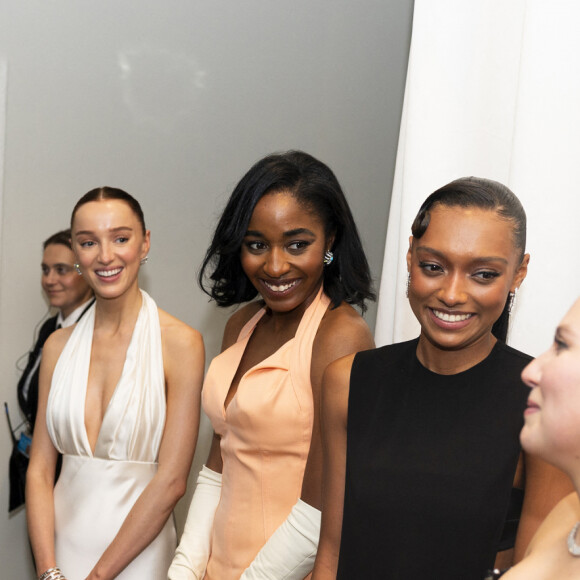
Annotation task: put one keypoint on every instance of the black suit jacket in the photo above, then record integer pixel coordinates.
(28, 404)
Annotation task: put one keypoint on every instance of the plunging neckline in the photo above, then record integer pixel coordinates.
(243, 340)
(91, 450)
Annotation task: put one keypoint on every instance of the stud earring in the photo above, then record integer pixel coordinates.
(407, 284)
(144, 260)
(512, 300)
(78, 269)
(328, 257)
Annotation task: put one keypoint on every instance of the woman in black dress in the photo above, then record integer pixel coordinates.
(424, 479)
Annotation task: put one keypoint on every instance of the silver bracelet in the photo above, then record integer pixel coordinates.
(52, 574)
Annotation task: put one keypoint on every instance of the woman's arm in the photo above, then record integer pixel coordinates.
(192, 554)
(183, 360)
(335, 390)
(341, 333)
(545, 486)
(42, 466)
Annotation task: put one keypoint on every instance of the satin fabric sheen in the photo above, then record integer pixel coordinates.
(265, 439)
(95, 492)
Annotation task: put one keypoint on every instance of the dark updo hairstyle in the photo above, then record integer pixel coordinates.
(316, 189)
(103, 193)
(484, 194)
(62, 238)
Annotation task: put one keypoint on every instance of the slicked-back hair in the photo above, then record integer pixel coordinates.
(105, 192)
(483, 194)
(62, 238)
(315, 188)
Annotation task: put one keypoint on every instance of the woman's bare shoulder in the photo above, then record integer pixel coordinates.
(238, 320)
(561, 518)
(176, 334)
(343, 329)
(54, 346)
(56, 341)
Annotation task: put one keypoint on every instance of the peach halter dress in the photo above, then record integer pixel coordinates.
(265, 438)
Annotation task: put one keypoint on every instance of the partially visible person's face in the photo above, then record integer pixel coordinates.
(552, 418)
(109, 244)
(282, 252)
(64, 288)
(461, 271)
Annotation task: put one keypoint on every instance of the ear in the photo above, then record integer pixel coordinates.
(330, 242)
(146, 244)
(521, 273)
(409, 253)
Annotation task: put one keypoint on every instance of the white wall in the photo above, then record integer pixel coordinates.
(173, 101)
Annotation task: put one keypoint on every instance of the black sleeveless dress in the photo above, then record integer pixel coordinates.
(430, 464)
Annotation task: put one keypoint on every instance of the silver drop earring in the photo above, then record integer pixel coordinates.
(408, 284)
(328, 257)
(512, 300)
(78, 269)
(144, 260)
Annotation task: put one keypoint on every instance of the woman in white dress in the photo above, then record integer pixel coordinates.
(119, 398)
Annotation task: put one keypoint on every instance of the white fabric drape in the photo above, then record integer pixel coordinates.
(493, 90)
(3, 78)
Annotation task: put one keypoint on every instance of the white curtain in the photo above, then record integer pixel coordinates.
(493, 90)
(3, 80)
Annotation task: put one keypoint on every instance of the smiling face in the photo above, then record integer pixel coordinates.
(63, 287)
(552, 418)
(282, 252)
(461, 271)
(109, 243)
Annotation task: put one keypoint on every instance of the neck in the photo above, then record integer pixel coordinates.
(574, 475)
(451, 362)
(114, 312)
(280, 321)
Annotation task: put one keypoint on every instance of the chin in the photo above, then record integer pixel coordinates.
(531, 443)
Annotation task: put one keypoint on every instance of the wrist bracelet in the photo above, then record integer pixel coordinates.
(52, 574)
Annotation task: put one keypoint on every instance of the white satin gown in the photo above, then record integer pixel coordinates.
(96, 491)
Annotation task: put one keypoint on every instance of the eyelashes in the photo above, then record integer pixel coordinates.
(560, 344)
(295, 247)
(432, 268)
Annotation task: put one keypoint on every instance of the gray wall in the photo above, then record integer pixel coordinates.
(173, 101)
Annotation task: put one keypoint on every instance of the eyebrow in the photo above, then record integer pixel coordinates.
(288, 234)
(112, 230)
(54, 265)
(565, 330)
(478, 259)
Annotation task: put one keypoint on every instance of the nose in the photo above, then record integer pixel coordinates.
(276, 264)
(532, 372)
(452, 290)
(50, 277)
(105, 253)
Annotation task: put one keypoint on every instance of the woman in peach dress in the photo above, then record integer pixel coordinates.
(287, 235)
